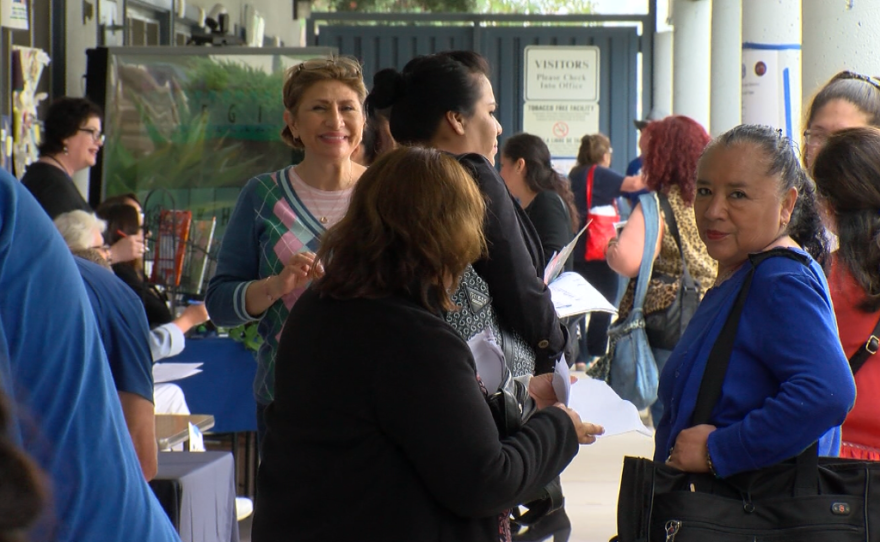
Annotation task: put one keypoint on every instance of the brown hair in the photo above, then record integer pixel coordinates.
(301, 77)
(593, 149)
(415, 222)
(847, 176)
(25, 490)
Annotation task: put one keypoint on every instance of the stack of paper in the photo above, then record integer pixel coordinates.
(572, 294)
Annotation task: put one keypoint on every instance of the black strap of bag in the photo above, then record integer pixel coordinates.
(719, 359)
(690, 295)
(867, 350)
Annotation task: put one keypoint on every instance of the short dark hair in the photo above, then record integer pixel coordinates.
(426, 89)
(781, 158)
(65, 117)
(540, 175)
(414, 223)
(847, 176)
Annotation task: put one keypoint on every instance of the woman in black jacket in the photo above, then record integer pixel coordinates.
(445, 101)
(409, 449)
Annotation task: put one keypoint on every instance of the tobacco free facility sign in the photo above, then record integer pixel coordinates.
(561, 96)
(559, 73)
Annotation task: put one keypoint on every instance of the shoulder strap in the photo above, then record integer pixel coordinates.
(651, 212)
(866, 350)
(672, 224)
(719, 357)
(590, 176)
(690, 296)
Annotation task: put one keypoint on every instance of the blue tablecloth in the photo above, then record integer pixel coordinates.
(224, 388)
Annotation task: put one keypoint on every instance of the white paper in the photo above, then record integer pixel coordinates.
(562, 381)
(572, 294)
(169, 372)
(489, 359)
(196, 441)
(596, 402)
(557, 261)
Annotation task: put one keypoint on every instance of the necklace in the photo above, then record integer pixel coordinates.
(321, 214)
(64, 169)
(721, 278)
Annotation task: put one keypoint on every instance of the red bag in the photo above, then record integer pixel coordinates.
(601, 227)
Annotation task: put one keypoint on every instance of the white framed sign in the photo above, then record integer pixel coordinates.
(562, 73)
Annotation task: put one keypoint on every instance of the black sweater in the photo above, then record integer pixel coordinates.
(54, 189)
(549, 215)
(514, 268)
(379, 431)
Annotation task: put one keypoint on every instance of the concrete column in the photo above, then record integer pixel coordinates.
(771, 57)
(663, 52)
(726, 101)
(692, 20)
(839, 36)
(81, 34)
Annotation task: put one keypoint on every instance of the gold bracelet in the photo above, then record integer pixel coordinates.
(709, 462)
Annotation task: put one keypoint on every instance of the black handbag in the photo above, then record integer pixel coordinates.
(665, 327)
(804, 499)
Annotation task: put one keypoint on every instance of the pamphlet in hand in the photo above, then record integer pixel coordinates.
(596, 402)
(169, 372)
(557, 261)
(572, 294)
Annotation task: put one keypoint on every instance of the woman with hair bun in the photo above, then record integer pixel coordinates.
(847, 176)
(446, 101)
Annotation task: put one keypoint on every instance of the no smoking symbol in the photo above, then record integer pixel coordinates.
(560, 129)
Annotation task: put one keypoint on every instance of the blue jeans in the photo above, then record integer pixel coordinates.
(660, 356)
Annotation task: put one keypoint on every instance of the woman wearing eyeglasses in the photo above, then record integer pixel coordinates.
(848, 100)
(267, 258)
(71, 140)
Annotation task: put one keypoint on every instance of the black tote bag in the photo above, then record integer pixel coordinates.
(804, 499)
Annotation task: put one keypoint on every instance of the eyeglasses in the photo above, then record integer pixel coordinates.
(97, 136)
(815, 138)
(350, 65)
(857, 76)
(102, 248)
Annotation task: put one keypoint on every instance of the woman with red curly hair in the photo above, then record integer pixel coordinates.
(670, 164)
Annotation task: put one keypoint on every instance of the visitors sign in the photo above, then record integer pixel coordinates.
(561, 96)
(562, 73)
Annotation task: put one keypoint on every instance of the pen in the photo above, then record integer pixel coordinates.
(122, 233)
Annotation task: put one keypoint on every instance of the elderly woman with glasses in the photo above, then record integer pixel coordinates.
(267, 257)
(71, 140)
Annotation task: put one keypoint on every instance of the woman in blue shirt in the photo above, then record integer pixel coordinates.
(788, 383)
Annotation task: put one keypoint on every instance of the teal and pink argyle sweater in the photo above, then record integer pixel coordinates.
(270, 224)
